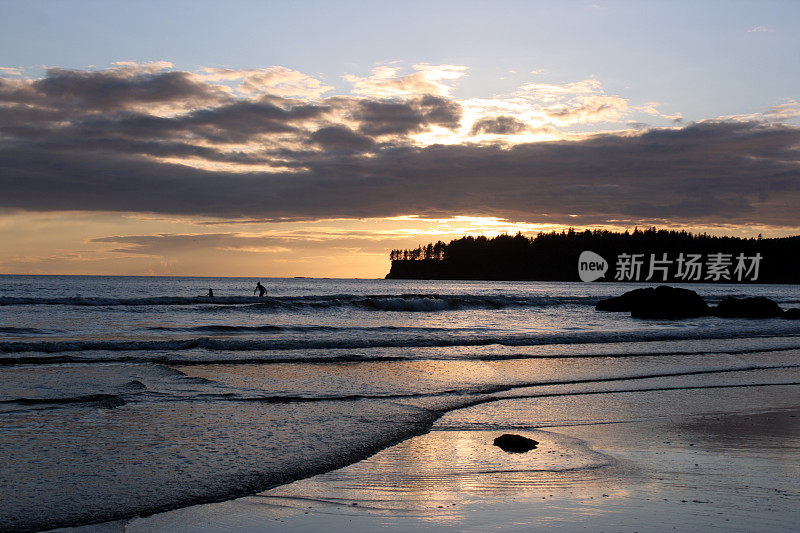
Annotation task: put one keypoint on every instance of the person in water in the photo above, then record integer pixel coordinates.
(210, 293)
(260, 288)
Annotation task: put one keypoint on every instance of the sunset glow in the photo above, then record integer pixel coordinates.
(146, 165)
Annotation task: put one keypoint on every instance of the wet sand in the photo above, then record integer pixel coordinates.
(687, 460)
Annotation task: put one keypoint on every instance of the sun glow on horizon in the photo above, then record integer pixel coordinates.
(137, 244)
(289, 173)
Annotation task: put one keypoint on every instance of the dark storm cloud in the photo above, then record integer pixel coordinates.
(134, 132)
(109, 89)
(239, 121)
(440, 111)
(88, 141)
(404, 117)
(499, 125)
(227, 123)
(341, 138)
(131, 134)
(714, 172)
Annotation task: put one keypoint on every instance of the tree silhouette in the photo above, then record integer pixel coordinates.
(553, 255)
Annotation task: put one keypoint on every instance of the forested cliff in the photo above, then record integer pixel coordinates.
(651, 255)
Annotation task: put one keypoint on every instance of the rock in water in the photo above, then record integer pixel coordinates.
(624, 302)
(515, 443)
(670, 302)
(758, 307)
(792, 314)
(661, 302)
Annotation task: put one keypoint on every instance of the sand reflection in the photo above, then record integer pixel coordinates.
(435, 476)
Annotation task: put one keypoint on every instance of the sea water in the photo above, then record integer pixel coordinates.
(123, 396)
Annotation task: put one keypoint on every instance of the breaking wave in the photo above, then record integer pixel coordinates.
(229, 344)
(401, 302)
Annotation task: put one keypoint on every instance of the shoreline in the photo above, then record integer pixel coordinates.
(544, 392)
(632, 474)
(343, 371)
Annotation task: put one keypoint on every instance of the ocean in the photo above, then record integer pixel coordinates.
(127, 396)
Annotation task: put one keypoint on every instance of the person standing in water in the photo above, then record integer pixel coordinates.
(260, 288)
(210, 293)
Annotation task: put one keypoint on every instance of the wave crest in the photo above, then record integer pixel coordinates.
(380, 302)
(270, 345)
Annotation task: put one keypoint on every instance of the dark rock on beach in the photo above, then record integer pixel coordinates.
(758, 307)
(515, 443)
(672, 302)
(661, 302)
(621, 303)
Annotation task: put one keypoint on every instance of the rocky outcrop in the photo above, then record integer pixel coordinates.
(792, 314)
(623, 302)
(672, 302)
(659, 302)
(515, 443)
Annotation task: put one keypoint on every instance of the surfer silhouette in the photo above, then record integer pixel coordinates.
(210, 293)
(260, 288)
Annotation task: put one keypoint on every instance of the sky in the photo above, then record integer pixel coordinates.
(274, 139)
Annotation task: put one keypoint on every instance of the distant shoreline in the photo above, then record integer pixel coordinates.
(418, 271)
(651, 256)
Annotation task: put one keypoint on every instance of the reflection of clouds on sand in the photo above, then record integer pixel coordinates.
(443, 471)
(641, 461)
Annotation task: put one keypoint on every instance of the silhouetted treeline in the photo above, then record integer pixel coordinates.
(663, 255)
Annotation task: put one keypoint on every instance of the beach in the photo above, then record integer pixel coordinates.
(364, 267)
(372, 405)
(623, 462)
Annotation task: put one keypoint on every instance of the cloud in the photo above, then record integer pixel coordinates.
(548, 92)
(175, 244)
(782, 112)
(10, 71)
(341, 138)
(588, 109)
(240, 120)
(545, 106)
(205, 132)
(651, 108)
(380, 117)
(134, 67)
(709, 172)
(277, 80)
(172, 244)
(638, 125)
(114, 89)
(90, 141)
(758, 29)
(498, 125)
(147, 109)
(386, 81)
